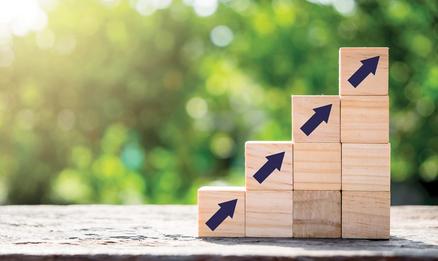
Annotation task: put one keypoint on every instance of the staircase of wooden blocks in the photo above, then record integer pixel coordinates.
(331, 181)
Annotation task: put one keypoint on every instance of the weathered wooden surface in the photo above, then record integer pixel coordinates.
(169, 232)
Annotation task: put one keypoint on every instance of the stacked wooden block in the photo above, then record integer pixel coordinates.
(365, 142)
(332, 181)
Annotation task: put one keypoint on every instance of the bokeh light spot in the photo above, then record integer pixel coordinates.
(133, 156)
(429, 169)
(203, 7)
(69, 186)
(222, 145)
(263, 23)
(345, 7)
(421, 45)
(432, 77)
(284, 13)
(221, 36)
(425, 106)
(197, 107)
(148, 7)
(401, 170)
(398, 10)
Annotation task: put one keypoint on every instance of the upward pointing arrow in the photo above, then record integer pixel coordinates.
(274, 162)
(368, 66)
(226, 210)
(321, 114)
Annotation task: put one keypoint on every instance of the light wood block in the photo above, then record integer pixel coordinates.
(317, 214)
(209, 199)
(364, 119)
(350, 62)
(365, 214)
(317, 166)
(306, 107)
(366, 167)
(269, 213)
(256, 153)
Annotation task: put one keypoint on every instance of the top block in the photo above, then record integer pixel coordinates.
(316, 118)
(363, 71)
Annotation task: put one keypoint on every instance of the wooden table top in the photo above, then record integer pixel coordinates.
(104, 232)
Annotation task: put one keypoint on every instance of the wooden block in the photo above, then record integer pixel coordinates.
(269, 163)
(365, 214)
(364, 119)
(269, 213)
(317, 214)
(315, 118)
(317, 166)
(366, 167)
(356, 67)
(221, 212)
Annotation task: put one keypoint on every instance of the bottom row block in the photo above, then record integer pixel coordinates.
(234, 212)
(365, 214)
(269, 213)
(221, 212)
(317, 214)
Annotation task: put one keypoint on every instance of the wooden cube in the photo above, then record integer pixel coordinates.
(317, 214)
(364, 119)
(315, 118)
(363, 71)
(317, 166)
(269, 213)
(365, 214)
(366, 167)
(221, 212)
(268, 165)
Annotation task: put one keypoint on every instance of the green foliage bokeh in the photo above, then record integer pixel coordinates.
(125, 107)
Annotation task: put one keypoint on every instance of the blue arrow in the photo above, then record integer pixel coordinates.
(321, 114)
(274, 162)
(368, 66)
(226, 210)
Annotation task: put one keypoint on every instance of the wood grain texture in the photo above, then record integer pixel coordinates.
(317, 166)
(365, 214)
(350, 61)
(255, 158)
(366, 167)
(364, 119)
(317, 214)
(169, 232)
(269, 213)
(302, 111)
(208, 200)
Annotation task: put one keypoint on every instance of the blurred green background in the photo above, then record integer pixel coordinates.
(144, 101)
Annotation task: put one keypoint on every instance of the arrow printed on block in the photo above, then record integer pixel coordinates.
(368, 66)
(321, 114)
(274, 162)
(226, 210)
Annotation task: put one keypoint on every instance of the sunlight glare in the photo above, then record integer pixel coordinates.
(19, 17)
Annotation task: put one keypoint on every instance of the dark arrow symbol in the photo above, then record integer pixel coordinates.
(321, 114)
(226, 210)
(274, 162)
(368, 66)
